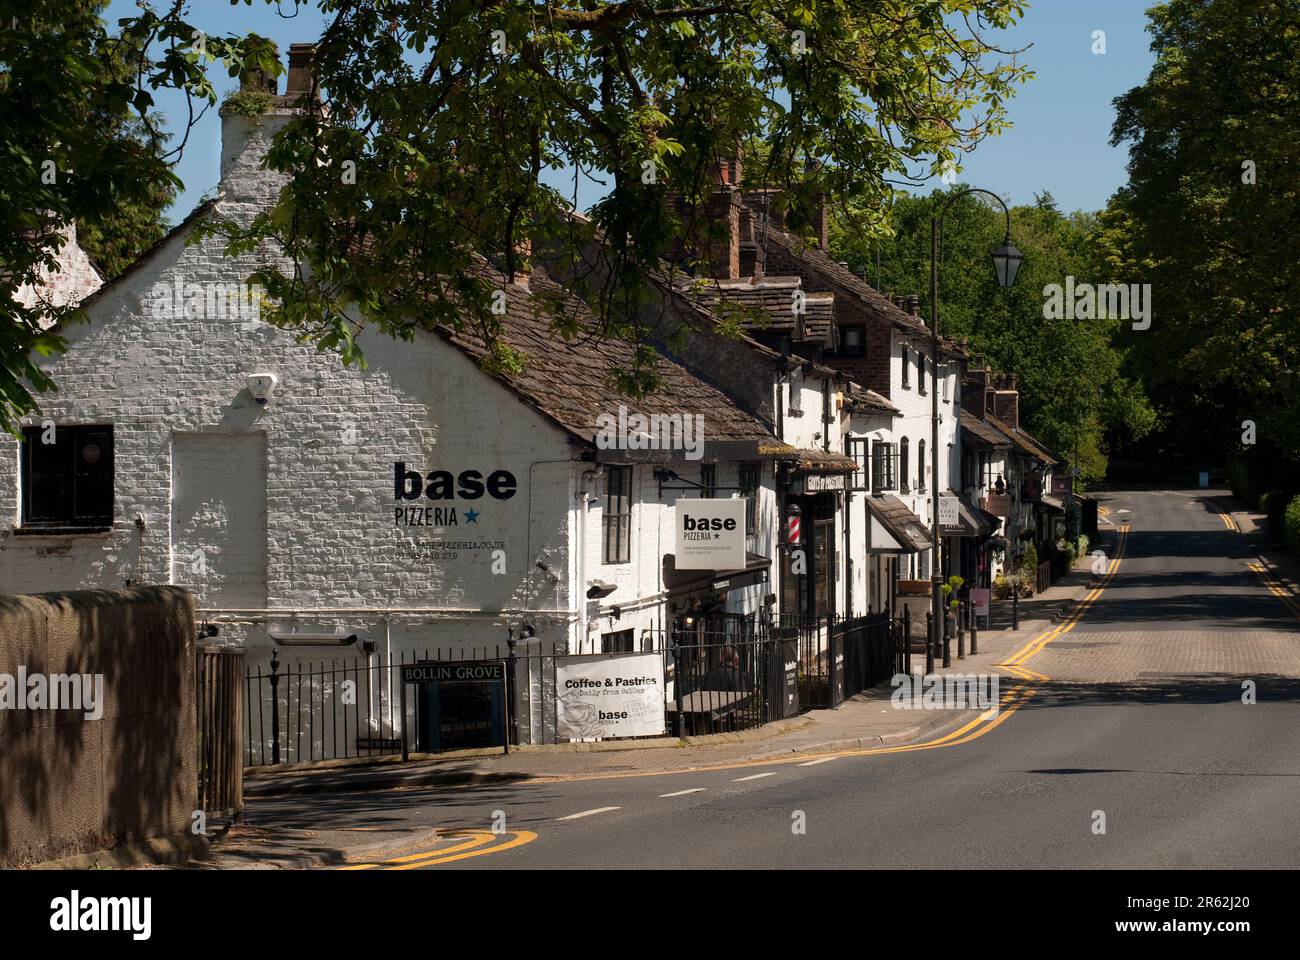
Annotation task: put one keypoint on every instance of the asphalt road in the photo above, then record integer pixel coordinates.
(1142, 723)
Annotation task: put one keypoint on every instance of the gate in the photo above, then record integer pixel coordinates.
(219, 679)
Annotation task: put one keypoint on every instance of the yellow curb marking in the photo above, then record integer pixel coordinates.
(477, 839)
(1276, 587)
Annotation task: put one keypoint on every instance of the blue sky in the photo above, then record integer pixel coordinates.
(1062, 118)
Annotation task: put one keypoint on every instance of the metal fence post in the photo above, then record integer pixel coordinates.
(512, 715)
(974, 631)
(947, 638)
(929, 642)
(677, 684)
(275, 705)
(961, 630)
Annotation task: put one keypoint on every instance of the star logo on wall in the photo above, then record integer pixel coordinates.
(471, 516)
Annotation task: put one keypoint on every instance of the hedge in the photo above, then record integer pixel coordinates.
(1293, 526)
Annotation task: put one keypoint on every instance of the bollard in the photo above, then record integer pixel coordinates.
(947, 639)
(275, 705)
(929, 642)
(907, 638)
(961, 630)
(974, 631)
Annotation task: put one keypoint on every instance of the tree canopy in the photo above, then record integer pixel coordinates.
(1073, 391)
(1209, 217)
(81, 142)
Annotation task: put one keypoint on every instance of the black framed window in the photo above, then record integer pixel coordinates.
(884, 466)
(920, 374)
(854, 343)
(904, 464)
(618, 642)
(749, 478)
(859, 449)
(709, 480)
(907, 367)
(920, 466)
(67, 483)
(617, 518)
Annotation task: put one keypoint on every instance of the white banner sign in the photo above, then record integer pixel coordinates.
(710, 535)
(611, 696)
(948, 515)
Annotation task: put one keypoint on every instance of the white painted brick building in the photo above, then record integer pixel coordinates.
(293, 516)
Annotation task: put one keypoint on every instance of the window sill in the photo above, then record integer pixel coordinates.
(62, 531)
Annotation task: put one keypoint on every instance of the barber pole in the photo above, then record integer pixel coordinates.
(793, 533)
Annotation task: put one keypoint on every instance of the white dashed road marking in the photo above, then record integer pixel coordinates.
(588, 813)
(757, 776)
(813, 763)
(681, 793)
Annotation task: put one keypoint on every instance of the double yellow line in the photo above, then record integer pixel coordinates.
(474, 843)
(1015, 664)
(1229, 521)
(1276, 587)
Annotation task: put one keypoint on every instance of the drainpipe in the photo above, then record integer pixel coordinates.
(586, 478)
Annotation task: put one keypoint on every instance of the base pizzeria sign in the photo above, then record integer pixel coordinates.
(710, 535)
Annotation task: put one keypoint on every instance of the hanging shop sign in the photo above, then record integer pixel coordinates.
(710, 535)
(818, 482)
(998, 504)
(610, 696)
(949, 516)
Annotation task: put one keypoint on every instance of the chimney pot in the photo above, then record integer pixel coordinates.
(255, 80)
(914, 305)
(302, 58)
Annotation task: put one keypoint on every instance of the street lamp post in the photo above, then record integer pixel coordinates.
(1006, 263)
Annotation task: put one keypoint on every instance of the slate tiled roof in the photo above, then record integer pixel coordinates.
(567, 381)
(869, 401)
(775, 297)
(984, 431)
(1027, 444)
(903, 525)
(846, 280)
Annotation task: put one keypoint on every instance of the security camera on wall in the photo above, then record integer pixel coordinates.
(261, 386)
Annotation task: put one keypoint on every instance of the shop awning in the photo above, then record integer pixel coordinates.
(689, 581)
(809, 460)
(895, 528)
(1052, 504)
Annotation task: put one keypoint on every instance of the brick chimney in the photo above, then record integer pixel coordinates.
(714, 232)
(302, 81)
(1006, 400)
(975, 389)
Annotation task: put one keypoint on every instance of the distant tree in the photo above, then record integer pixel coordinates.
(447, 114)
(1209, 218)
(80, 143)
(1074, 396)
